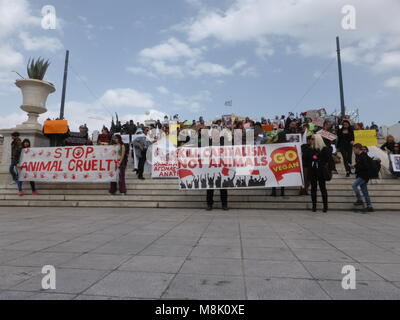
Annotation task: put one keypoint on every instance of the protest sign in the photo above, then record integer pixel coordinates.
(366, 138)
(293, 137)
(395, 159)
(237, 167)
(327, 135)
(165, 164)
(69, 164)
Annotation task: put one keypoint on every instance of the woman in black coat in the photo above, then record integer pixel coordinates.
(319, 172)
(345, 145)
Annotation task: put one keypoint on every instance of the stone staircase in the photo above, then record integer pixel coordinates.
(164, 193)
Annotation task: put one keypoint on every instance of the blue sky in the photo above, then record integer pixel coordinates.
(190, 56)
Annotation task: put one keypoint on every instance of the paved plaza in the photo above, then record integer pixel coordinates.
(108, 253)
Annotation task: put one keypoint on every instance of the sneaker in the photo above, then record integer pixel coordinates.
(358, 203)
(21, 193)
(142, 178)
(35, 193)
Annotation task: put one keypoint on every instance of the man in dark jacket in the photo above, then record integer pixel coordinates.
(16, 146)
(363, 167)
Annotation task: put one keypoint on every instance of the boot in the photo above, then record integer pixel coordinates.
(325, 208)
(314, 207)
(282, 191)
(273, 193)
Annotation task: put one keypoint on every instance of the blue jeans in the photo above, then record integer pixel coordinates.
(13, 170)
(364, 189)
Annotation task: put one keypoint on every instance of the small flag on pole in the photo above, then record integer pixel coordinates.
(228, 103)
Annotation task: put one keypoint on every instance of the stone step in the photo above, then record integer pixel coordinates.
(171, 192)
(192, 205)
(99, 199)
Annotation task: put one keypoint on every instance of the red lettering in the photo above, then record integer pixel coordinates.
(58, 153)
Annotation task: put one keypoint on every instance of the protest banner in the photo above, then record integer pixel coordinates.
(69, 164)
(239, 167)
(395, 159)
(327, 135)
(165, 164)
(366, 138)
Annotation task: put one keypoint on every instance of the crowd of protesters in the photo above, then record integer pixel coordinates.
(319, 154)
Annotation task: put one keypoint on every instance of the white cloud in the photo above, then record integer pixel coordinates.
(141, 71)
(175, 58)
(120, 98)
(393, 82)
(15, 14)
(388, 61)
(15, 22)
(163, 90)
(9, 58)
(31, 43)
(162, 68)
(172, 50)
(207, 68)
(310, 27)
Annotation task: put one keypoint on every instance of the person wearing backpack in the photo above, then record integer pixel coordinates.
(363, 168)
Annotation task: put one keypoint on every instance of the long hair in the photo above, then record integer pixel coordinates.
(118, 138)
(23, 142)
(319, 142)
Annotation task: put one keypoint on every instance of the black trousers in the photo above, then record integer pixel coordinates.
(142, 161)
(315, 181)
(347, 153)
(224, 197)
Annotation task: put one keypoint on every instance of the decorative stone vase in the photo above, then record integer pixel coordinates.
(34, 93)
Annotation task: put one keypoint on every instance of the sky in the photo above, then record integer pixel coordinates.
(149, 58)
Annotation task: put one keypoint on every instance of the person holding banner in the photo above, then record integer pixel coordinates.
(345, 145)
(122, 154)
(320, 170)
(25, 144)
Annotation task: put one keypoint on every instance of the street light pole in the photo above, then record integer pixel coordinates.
(342, 105)
(64, 86)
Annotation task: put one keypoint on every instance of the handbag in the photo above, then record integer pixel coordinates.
(326, 173)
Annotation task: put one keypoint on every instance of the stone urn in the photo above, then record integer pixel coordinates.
(34, 93)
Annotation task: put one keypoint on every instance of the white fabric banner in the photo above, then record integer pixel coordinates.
(238, 167)
(69, 164)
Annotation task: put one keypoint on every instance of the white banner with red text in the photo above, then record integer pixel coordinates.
(69, 164)
(165, 164)
(240, 167)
